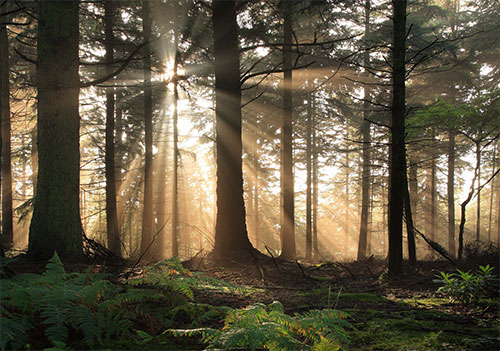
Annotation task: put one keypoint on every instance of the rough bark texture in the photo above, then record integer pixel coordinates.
(56, 225)
(287, 215)
(113, 229)
(230, 229)
(397, 164)
(7, 239)
(147, 215)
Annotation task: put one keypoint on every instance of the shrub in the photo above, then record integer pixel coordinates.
(467, 287)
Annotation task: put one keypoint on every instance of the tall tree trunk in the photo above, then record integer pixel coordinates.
(314, 186)
(451, 193)
(347, 193)
(230, 230)
(147, 215)
(161, 225)
(56, 225)
(478, 207)
(256, 194)
(7, 239)
(365, 173)
(492, 193)
(433, 193)
(175, 169)
(397, 165)
(114, 243)
(287, 215)
(309, 179)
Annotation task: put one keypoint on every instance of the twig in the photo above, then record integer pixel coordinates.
(272, 256)
(302, 269)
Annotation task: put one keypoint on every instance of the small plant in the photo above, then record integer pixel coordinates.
(467, 287)
(260, 326)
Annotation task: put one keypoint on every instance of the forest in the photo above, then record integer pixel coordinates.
(249, 175)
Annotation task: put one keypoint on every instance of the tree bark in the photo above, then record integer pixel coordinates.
(114, 243)
(451, 193)
(175, 156)
(7, 239)
(397, 165)
(230, 229)
(56, 225)
(309, 179)
(287, 214)
(366, 154)
(147, 215)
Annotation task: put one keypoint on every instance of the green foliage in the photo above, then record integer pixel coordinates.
(62, 304)
(467, 287)
(260, 326)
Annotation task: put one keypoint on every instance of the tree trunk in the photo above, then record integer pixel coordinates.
(451, 193)
(114, 243)
(230, 229)
(56, 225)
(7, 239)
(478, 207)
(287, 215)
(147, 215)
(309, 179)
(315, 187)
(397, 165)
(410, 228)
(365, 172)
(175, 156)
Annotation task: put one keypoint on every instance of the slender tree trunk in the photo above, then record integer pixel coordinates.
(111, 209)
(160, 210)
(365, 173)
(463, 207)
(451, 193)
(56, 225)
(147, 216)
(410, 228)
(309, 179)
(397, 165)
(478, 207)
(7, 223)
(315, 185)
(175, 177)
(288, 250)
(433, 195)
(347, 193)
(230, 230)
(492, 194)
(256, 195)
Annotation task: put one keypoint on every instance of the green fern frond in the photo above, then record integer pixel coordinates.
(55, 319)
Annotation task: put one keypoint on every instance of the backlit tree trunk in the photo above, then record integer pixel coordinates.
(287, 215)
(451, 193)
(309, 179)
(147, 215)
(230, 229)
(113, 230)
(7, 239)
(397, 164)
(56, 225)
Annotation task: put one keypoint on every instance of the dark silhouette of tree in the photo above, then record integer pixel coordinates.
(397, 169)
(55, 225)
(230, 230)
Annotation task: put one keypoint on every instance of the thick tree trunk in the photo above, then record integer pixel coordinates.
(7, 239)
(114, 243)
(230, 230)
(288, 250)
(56, 225)
(451, 193)
(147, 215)
(397, 165)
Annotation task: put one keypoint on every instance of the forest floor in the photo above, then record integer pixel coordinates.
(403, 314)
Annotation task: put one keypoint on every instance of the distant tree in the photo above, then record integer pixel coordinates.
(55, 225)
(147, 216)
(230, 230)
